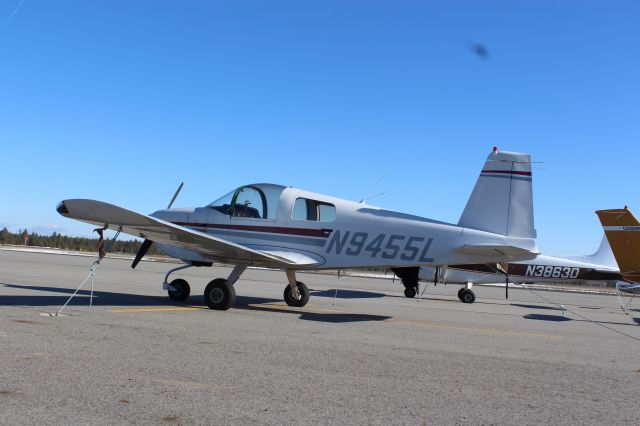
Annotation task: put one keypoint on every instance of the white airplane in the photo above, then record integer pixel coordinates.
(599, 266)
(622, 230)
(286, 228)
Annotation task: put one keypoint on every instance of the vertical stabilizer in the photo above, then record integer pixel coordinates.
(603, 256)
(502, 200)
(622, 230)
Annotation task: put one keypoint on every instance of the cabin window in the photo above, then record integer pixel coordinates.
(252, 201)
(249, 202)
(318, 211)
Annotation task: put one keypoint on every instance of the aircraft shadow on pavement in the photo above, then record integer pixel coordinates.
(521, 305)
(100, 298)
(346, 294)
(105, 298)
(560, 318)
(337, 317)
(542, 317)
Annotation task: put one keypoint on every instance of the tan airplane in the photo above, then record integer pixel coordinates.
(622, 230)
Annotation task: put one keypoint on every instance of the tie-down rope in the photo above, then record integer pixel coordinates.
(563, 307)
(94, 267)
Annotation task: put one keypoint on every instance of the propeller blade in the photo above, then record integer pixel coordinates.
(175, 195)
(141, 252)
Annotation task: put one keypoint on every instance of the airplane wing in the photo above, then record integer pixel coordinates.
(497, 250)
(159, 231)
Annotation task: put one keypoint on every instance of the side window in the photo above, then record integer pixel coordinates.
(299, 209)
(326, 212)
(318, 211)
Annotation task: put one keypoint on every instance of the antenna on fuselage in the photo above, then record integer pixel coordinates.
(367, 197)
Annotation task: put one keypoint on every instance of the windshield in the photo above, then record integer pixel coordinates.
(223, 203)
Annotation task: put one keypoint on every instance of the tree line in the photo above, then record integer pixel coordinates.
(56, 240)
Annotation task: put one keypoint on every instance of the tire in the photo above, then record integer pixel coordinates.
(460, 293)
(467, 296)
(219, 295)
(182, 290)
(410, 292)
(304, 295)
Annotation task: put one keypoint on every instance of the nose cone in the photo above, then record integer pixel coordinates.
(173, 215)
(62, 208)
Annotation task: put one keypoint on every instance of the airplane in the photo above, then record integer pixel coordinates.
(279, 227)
(622, 230)
(599, 266)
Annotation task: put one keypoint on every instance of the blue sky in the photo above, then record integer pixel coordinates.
(120, 101)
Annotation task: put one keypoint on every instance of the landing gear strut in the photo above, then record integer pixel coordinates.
(409, 277)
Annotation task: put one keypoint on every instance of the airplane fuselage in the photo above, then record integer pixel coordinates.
(541, 269)
(355, 235)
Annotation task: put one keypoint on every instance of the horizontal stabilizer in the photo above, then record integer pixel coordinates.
(517, 253)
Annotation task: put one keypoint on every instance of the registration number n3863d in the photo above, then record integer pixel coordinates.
(542, 271)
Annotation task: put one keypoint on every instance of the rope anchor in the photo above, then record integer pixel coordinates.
(92, 271)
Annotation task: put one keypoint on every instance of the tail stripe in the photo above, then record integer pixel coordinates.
(508, 172)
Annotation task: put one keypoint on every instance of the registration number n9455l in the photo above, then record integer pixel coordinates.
(385, 246)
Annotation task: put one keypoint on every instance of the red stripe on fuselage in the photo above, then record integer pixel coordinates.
(507, 172)
(324, 233)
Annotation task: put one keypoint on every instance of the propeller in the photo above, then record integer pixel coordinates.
(146, 244)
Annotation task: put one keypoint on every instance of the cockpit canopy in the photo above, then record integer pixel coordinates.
(259, 201)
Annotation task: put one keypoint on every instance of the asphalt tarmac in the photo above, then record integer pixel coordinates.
(367, 356)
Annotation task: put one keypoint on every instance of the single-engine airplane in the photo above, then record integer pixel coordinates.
(622, 230)
(286, 228)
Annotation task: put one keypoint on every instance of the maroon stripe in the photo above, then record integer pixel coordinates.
(507, 172)
(324, 233)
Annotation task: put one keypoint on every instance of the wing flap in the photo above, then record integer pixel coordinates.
(139, 225)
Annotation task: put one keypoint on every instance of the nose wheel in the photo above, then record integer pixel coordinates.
(179, 290)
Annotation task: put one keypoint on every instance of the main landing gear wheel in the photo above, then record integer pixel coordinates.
(181, 292)
(219, 295)
(304, 295)
(466, 296)
(410, 292)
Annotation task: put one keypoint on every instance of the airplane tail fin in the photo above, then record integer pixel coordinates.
(604, 255)
(622, 230)
(502, 200)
